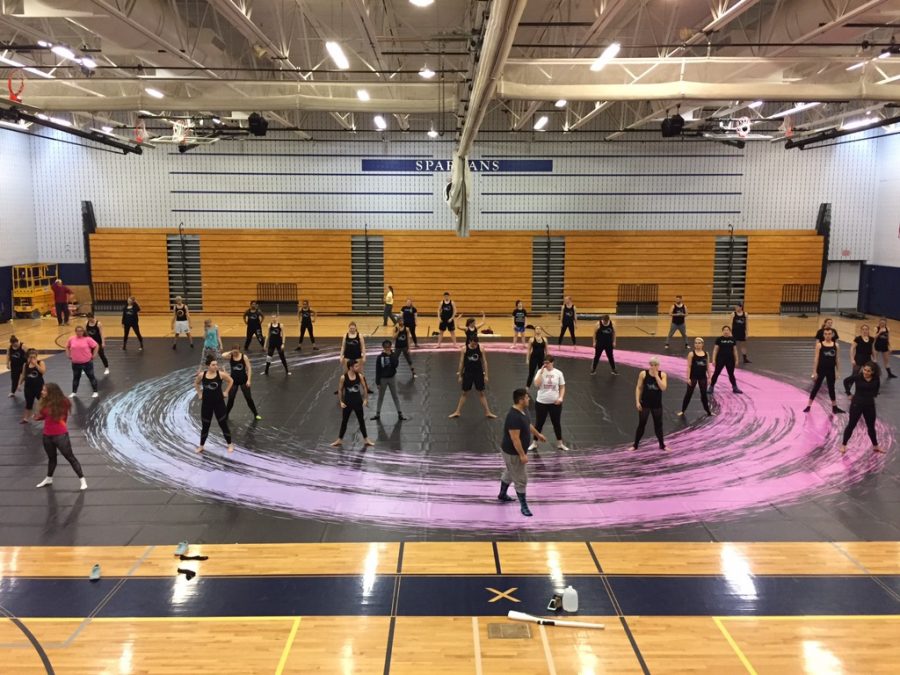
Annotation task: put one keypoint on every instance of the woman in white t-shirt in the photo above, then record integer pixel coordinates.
(551, 390)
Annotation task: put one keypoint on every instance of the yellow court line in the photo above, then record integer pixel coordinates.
(811, 617)
(149, 619)
(287, 647)
(734, 646)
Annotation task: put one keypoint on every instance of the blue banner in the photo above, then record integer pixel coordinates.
(476, 165)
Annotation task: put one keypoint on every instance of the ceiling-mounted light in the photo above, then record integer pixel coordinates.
(380, 123)
(426, 72)
(800, 107)
(856, 66)
(42, 116)
(155, 93)
(337, 55)
(106, 129)
(608, 55)
(421, 3)
(755, 104)
(43, 43)
(362, 94)
(215, 120)
(541, 123)
(561, 103)
(432, 133)
(28, 69)
(859, 124)
(88, 62)
(63, 51)
(61, 121)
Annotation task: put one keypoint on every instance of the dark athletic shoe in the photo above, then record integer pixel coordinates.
(836, 411)
(506, 498)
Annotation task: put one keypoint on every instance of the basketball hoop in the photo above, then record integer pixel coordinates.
(179, 130)
(140, 131)
(16, 85)
(743, 127)
(788, 127)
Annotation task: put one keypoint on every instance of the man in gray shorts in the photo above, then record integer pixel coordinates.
(517, 434)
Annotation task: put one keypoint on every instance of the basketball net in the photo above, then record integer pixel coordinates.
(140, 131)
(16, 85)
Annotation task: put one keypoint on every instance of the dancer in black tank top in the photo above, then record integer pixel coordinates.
(568, 318)
(401, 343)
(353, 346)
(253, 318)
(520, 318)
(307, 319)
(863, 405)
(537, 352)
(826, 366)
(353, 396)
(410, 316)
(860, 354)
(94, 330)
(725, 356)
(32, 381)
(472, 372)
(648, 398)
(181, 322)
(275, 342)
(678, 314)
(604, 342)
(16, 357)
(827, 324)
(740, 329)
(472, 328)
(447, 319)
(883, 346)
(131, 322)
(697, 373)
(213, 386)
(242, 377)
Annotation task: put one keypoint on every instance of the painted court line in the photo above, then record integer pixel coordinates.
(551, 666)
(734, 646)
(476, 644)
(287, 647)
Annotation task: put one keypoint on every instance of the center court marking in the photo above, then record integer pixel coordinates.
(507, 594)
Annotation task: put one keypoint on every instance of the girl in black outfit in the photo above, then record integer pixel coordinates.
(94, 330)
(307, 319)
(537, 352)
(353, 396)
(32, 380)
(212, 387)
(275, 342)
(472, 372)
(241, 376)
(863, 404)
(827, 324)
(648, 398)
(130, 321)
(826, 366)
(253, 318)
(883, 346)
(472, 328)
(401, 343)
(568, 317)
(16, 356)
(410, 313)
(604, 341)
(697, 372)
(520, 316)
(739, 329)
(725, 356)
(860, 354)
(353, 346)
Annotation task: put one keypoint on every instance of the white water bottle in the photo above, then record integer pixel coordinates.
(570, 599)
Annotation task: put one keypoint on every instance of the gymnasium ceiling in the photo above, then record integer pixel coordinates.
(499, 65)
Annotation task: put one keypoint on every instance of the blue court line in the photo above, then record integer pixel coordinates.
(735, 156)
(293, 211)
(289, 173)
(606, 194)
(291, 192)
(607, 213)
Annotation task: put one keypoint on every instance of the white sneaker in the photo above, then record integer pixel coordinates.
(72, 395)
(106, 372)
(44, 483)
(533, 445)
(562, 446)
(95, 395)
(83, 484)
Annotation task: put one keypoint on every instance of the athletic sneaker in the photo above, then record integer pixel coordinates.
(106, 371)
(562, 446)
(533, 445)
(72, 395)
(95, 395)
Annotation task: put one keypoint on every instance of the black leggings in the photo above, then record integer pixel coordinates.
(570, 326)
(389, 314)
(102, 354)
(848, 381)
(32, 394)
(728, 366)
(642, 424)
(360, 416)
(412, 334)
(216, 407)
(405, 352)
(14, 376)
(254, 331)
(555, 412)
(598, 352)
(88, 369)
(690, 392)
(271, 352)
(64, 446)
(304, 327)
(829, 377)
(867, 412)
(137, 333)
(232, 395)
(533, 366)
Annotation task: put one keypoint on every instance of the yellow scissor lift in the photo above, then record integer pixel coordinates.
(32, 292)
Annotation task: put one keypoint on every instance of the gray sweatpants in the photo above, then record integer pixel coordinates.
(680, 327)
(387, 383)
(515, 472)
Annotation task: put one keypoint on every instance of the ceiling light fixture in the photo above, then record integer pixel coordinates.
(88, 62)
(43, 43)
(421, 3)
(155, 93)
(800, 107)
(42, 116)
(608, 55)
(337, 55)
(380, 123)
(63, 52)
(426, 72)
(60, 120)
(362, 94)
(856, 66)
(755, 104)
(432, 133)
(858, 124)
(541, 123)
(106, 129)
(561, 103)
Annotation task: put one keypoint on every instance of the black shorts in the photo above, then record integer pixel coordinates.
(476, 379)
(881, 348)
(740, 338)
(447, 325)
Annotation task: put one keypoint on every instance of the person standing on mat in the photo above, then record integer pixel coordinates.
(648, 398)
(472, 328)
(826, 366)
(131, 322)
(181, 322)
(241, 378)
(883, 346)
(275, 343)
(353, 346)
(213, 387)
(867, 384)
(827, 324)
(253, 319)
(94, 330)
(16, 358)
(517, 434)
(537, 352)
(678, 313)
(604, 341)
(410, 314)
(81, 351)
(212, 343)
(551, 386)
(740, 329)
(520, 316)
(725, 355)
(385, 370)
(32, 381)
(860, 354)
(447, 319)
(353, 396)
(401, 344)
(472, 372)
(568, 318)
(697, 374)
(61, 301)
(389, 306)
(54, 409)
(307, 319)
